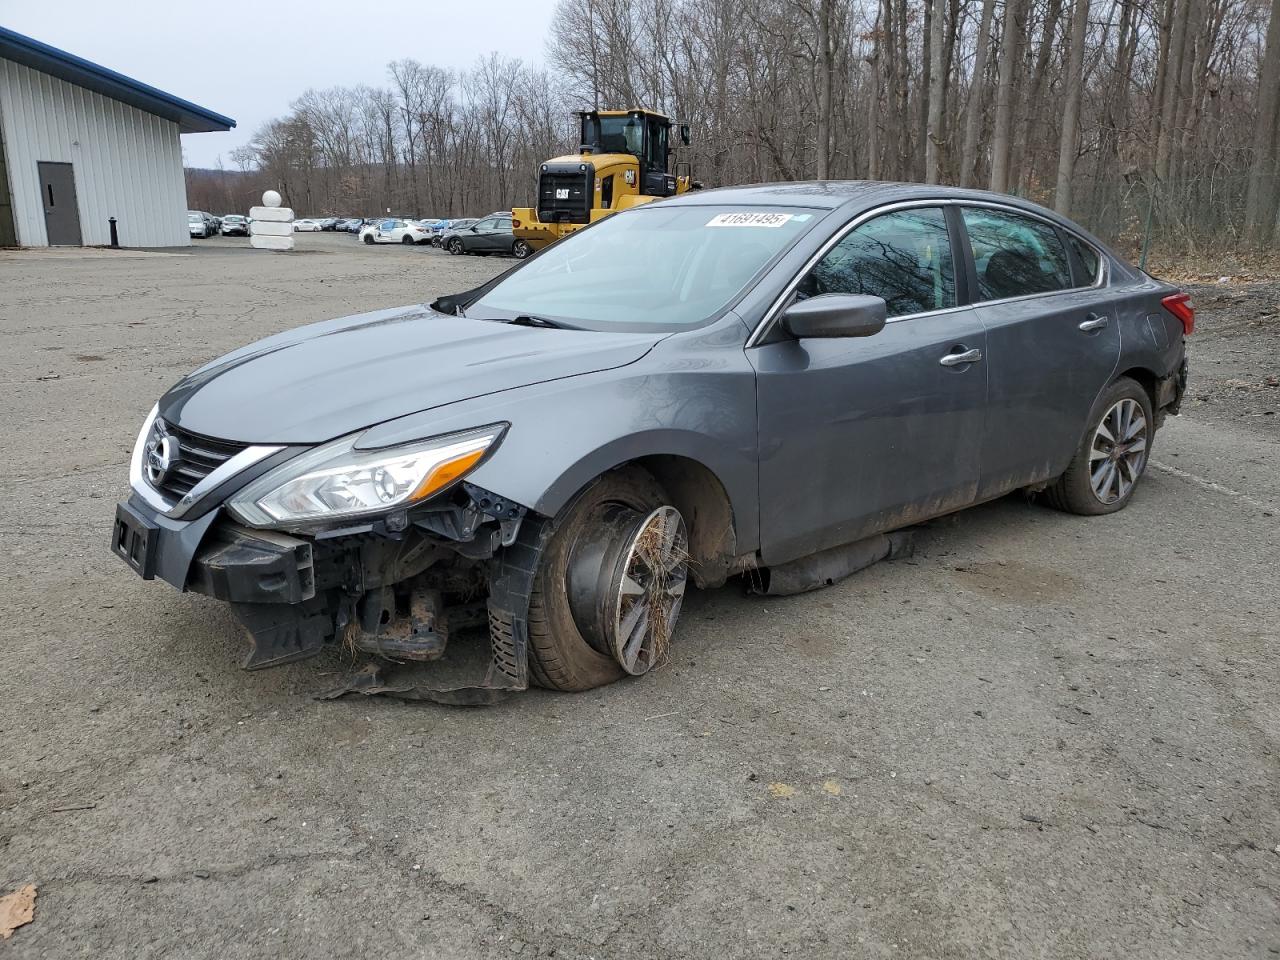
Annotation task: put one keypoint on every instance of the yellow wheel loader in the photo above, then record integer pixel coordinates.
(622, 163)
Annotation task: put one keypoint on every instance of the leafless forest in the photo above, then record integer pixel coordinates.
(1136, 117)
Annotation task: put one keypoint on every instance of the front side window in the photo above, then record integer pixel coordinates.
(387, 225)
(902, 257)
(1015, 255)
(486, 224)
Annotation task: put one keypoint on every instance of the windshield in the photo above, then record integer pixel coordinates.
(652, 266)
(194, 217)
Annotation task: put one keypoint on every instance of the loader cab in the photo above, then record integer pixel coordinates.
(641, 133)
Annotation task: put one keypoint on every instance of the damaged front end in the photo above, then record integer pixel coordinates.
(387, 551)
(436, 598)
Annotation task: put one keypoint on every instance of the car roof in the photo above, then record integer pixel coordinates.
(834, 194)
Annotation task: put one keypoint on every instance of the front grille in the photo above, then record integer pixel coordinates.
(197, 458)
(573, 204)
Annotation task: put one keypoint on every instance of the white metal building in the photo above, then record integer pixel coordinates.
(80, 144)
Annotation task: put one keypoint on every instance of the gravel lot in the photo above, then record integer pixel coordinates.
(1043, 736)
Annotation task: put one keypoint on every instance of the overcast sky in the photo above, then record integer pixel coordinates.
(247, 60)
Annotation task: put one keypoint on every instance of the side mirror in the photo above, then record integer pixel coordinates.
(835, 315)
(684, 134)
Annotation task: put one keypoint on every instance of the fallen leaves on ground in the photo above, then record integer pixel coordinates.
(17, 909)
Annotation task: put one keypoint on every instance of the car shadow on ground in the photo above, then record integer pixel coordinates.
(202, 635)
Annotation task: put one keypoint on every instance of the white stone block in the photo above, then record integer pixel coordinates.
(271, 243)
(272, 214)
(265, 228)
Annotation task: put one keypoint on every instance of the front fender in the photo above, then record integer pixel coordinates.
(694, 400)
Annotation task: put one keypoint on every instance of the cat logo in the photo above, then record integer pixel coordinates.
(631, 178)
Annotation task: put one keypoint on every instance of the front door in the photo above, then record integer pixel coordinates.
(859, 436)
(483, 238)
(61, 215)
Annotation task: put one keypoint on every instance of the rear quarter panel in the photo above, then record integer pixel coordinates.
(1150, 337)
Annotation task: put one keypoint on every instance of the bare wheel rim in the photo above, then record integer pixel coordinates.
(650, 590)
(1118, 451)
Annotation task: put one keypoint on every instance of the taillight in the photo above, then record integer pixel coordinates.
(515, 224)
(1179, 304)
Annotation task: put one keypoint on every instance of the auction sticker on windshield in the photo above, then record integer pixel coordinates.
(749, 220)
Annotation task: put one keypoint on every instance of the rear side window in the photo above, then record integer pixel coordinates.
(1015, 256)
(1087, 256)
(902, 257)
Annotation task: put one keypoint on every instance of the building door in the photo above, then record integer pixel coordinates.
(61, 215)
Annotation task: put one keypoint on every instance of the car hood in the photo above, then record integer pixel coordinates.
(329, 379)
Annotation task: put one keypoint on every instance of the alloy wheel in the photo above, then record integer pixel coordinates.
(1118, 452)
(626, 582)
(650, 591)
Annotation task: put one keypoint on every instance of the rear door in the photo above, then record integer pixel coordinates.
(1053, 342)
(862, 435)
(502, 238)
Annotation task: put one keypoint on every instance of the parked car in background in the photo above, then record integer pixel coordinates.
(394, 230)
(349, 224)
(768, 378)
(235, 225)
(490, 235)
(306, 226)
(328, 223)
(449, 225)
(197, 224)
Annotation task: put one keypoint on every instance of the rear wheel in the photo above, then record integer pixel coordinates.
(610, 585)
(407, 240)
(455, 246)
(1112, 455)
(520, 250)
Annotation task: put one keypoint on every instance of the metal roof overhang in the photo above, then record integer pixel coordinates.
(190, 117)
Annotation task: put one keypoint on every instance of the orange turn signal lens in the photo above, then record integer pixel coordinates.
(445, 473)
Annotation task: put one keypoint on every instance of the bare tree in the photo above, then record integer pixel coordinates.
(1264, 168)
(1071, 109)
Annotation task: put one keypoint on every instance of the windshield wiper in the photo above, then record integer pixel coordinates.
(528, 320)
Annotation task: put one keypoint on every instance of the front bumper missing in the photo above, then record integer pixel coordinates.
(296, 595)
(463, 677)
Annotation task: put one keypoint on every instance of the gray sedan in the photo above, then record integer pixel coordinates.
(518, 482)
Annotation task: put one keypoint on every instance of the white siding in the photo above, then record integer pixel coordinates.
(128, 163)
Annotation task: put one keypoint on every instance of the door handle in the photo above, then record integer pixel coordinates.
(1095, 322)
(955, 359)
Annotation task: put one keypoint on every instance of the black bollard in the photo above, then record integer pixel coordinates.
(115, 237)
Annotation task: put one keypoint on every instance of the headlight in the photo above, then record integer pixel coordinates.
(338, 482)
